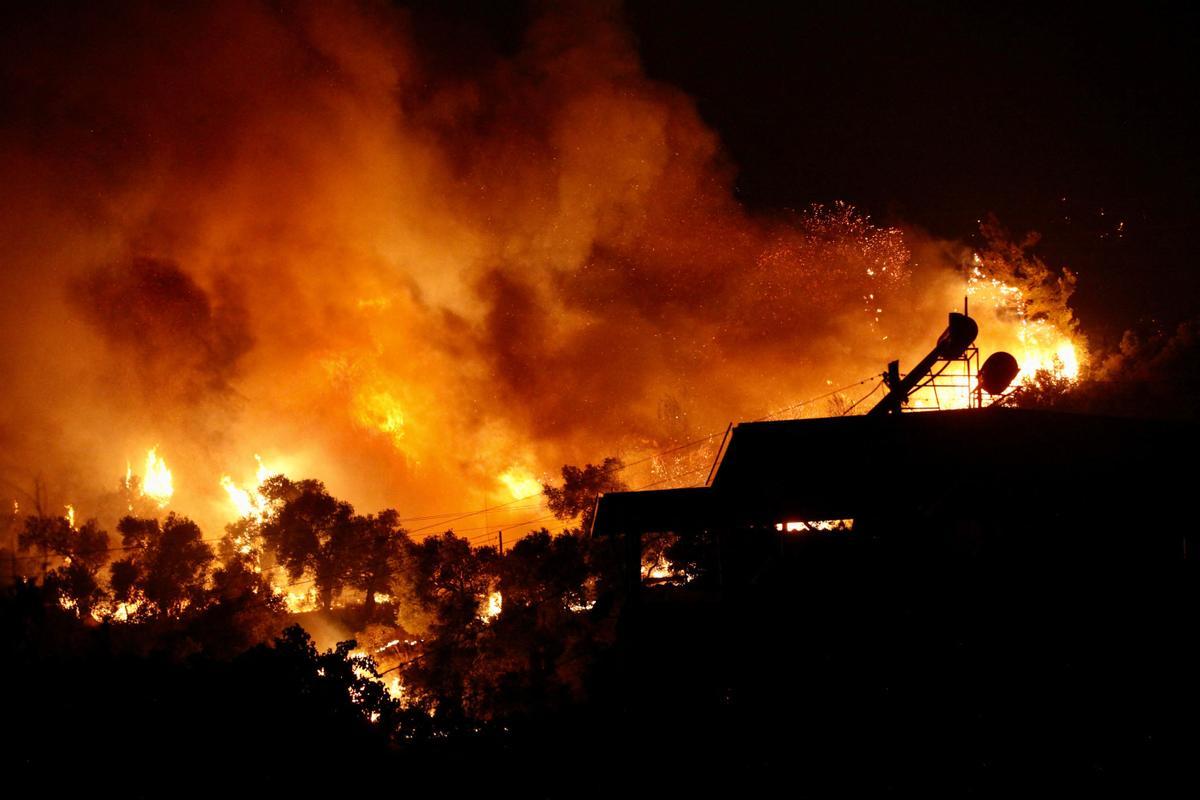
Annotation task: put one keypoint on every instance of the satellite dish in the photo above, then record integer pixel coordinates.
(998, 372)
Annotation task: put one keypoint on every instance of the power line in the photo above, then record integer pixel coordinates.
(864, 397)
(814, 399)
(488, 535)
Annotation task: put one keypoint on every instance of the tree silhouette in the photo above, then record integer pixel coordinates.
(381, 545)
(531, 656)
(313, 531)
(1045, 389)
(541, 567)
(168, 565)
(46, 535)
(83, 553)
(449, 579)
(577, 496)
(244, 608)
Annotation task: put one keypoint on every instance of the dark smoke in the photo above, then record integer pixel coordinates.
(183, 345)
(401, 276)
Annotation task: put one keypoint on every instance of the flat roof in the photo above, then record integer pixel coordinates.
(842, 467)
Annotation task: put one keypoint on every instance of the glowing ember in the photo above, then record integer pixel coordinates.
(157, 484)
(658, 568)
(798, 526)
(493, 607)
(364, 667)
(361, 665)
(298, 602)
(124, 611)
(580, 606)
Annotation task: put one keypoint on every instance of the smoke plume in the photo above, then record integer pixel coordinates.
(291, 229)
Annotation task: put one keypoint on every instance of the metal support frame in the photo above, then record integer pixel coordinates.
(938, 379)
(970, 372)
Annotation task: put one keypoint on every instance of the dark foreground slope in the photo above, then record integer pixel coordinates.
(844, 665)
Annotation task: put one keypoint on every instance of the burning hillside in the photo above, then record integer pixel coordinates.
(237, 229)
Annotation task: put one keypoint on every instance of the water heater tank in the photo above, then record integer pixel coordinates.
(998, 372)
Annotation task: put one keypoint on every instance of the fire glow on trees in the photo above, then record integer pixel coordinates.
(303, 239)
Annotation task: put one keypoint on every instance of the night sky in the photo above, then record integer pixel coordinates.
(1064, 119)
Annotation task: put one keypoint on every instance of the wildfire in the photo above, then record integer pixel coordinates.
(157, 483)
(297, 602)
(493, 607)
(657, 568)
(250, 502)
(108, 611)
(242, 500)
(1040, 344)
(364, 666)
(262, 473)
(1021, 308)
(381, 411)
(520, 482)
(71, 515)
(476, 298)
(815, 525)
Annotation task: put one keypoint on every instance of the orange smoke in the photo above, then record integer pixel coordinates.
(236, 228)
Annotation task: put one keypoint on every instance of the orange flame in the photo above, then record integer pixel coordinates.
(157, 483)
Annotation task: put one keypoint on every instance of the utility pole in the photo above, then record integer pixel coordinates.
(501, 535)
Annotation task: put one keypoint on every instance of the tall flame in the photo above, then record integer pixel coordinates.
(157, 483)
(250, 502)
